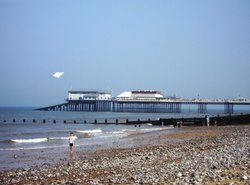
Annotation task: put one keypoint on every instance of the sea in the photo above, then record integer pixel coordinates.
(26, 130)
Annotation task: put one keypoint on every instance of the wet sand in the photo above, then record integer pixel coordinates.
(190, 155)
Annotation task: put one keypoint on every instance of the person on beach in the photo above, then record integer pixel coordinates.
(208, 120)
(72, 139)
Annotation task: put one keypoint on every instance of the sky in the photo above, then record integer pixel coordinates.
(184, 48)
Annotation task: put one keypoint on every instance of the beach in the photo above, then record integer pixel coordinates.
(191, 155)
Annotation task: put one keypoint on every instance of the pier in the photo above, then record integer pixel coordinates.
(146, 106)
(81, 106)
(143, 106)
(146, 101)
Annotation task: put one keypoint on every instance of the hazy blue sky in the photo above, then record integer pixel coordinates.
(176, 46)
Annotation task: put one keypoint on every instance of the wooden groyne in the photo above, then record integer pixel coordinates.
(242, 119)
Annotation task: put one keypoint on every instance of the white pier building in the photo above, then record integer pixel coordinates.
(140, 95)
(89, 95)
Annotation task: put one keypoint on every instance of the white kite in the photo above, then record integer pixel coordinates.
(58, 74)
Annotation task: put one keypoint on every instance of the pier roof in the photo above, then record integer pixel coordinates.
(138, 94)
(88, 92)
(146, 92)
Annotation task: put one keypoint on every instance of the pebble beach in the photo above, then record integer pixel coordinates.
(191, 155)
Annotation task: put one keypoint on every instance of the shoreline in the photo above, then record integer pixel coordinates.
(191, 155)
(35, 157)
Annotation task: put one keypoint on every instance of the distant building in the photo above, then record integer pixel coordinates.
(140, 95)
(89, 95)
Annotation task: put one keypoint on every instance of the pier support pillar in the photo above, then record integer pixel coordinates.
(229, 108)
(202, 108)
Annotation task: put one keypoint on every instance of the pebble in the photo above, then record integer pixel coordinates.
(243, 177)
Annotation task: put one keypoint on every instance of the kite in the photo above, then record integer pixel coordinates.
(58, 74)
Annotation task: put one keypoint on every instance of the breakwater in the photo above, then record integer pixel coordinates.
(190, 121)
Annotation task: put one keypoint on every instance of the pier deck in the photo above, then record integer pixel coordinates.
(143, 106)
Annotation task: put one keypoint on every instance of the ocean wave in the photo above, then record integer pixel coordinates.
(34, 134)
(117, 131)
(154, 129)
(58, 138)
(34, 140)
(94, 131)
